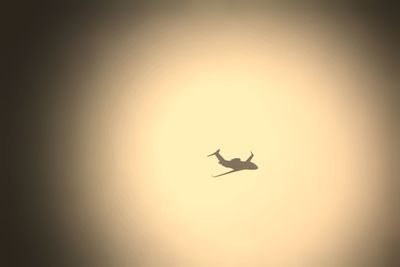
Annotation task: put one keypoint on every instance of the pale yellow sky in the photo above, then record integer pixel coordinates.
(295, 91)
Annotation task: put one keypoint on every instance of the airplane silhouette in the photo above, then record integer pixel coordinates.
(235, 164)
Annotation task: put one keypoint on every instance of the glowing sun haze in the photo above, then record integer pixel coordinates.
(166, 93)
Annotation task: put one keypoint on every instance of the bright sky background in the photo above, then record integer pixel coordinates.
(296, 92)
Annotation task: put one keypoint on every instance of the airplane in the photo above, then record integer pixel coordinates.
(235, 164)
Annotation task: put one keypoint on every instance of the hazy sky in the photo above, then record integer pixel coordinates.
(297, 91)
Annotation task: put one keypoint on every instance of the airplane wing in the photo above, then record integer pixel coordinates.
(225, 173)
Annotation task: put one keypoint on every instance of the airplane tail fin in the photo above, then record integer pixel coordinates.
(219, 157)
(216, 152)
